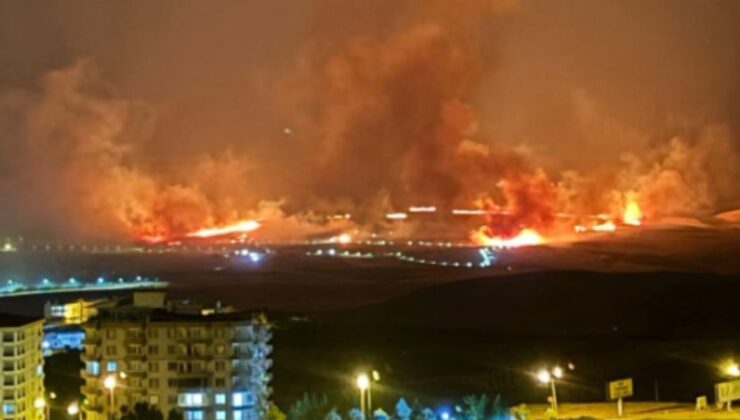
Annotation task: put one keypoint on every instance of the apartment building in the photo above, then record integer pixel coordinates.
(22, 375)
(207, 367)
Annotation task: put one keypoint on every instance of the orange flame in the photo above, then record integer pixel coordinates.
(244, 226)
(526, 237)
(632, 213)
(607, 226)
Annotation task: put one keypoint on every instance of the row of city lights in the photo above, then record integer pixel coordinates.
(488, 257)
(12, 285)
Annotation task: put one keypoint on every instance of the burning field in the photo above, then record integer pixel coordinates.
(372, 132)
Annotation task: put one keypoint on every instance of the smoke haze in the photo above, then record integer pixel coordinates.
(140, 119)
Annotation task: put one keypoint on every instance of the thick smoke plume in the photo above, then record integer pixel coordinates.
(372, 107)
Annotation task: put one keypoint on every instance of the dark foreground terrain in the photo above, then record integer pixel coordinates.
(436, 334)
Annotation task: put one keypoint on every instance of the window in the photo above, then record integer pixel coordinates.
(110, 350)
(153, 333)
(170, 349)
(93, 367)
(220, 383)
(221, 399)
(220, 366)
(171, 333)
(153, 383)
(237, 399)
(154, 399)
(8, 408)
(153, 366)
(172, 366)
(110, 333)
(111, 366)
(238, 415)
(154, 350)
(194, 415)
(172, 399)
(191, 399)
(220, 349)
(220, 415)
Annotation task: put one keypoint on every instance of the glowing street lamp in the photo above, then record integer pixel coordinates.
(548, 377)
(730, 368)
(73, 409)
(110, 382)
(363, 383)
(40, 404)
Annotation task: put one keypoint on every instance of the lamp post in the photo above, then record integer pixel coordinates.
(73, 409)
(548, 378)
(110, 382)
(730, 369)
(40, 404)
(363, 383)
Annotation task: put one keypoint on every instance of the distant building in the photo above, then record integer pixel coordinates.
(209, 367)
(58, 339)
(75, 312)
(22, 367)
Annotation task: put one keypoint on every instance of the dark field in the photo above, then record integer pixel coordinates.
(663, 313)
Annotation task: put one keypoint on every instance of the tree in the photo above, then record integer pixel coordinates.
(310, 407)
(174, 414)
(274, 413)
(475, 407)
(403, 411)
(141, 411)
(520, 412)
(333, 415)
(428, 414)
(356, 414)
(380, 414)
(500, 410)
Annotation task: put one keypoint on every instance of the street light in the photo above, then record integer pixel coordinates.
(73, 409)
(40, 404)
(110, 382)
(730, 368)
(548, 377)
(363, 383)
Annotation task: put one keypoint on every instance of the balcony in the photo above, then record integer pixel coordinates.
(91, 340)
(135, 338)
(92, 390)
(243, 337)
(133, 355)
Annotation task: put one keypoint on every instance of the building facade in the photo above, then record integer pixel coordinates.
(22, 375)
(208, 367)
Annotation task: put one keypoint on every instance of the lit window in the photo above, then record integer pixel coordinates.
(194, 415)
(238, 399)
(8, 408)
(93, 367)
(237, 415)
(194, 399)
(220, 415)
(221, 399)
(111, 366)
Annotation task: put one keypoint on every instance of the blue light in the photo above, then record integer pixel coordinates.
(255, 257)
(72, 280)
(101, 280)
